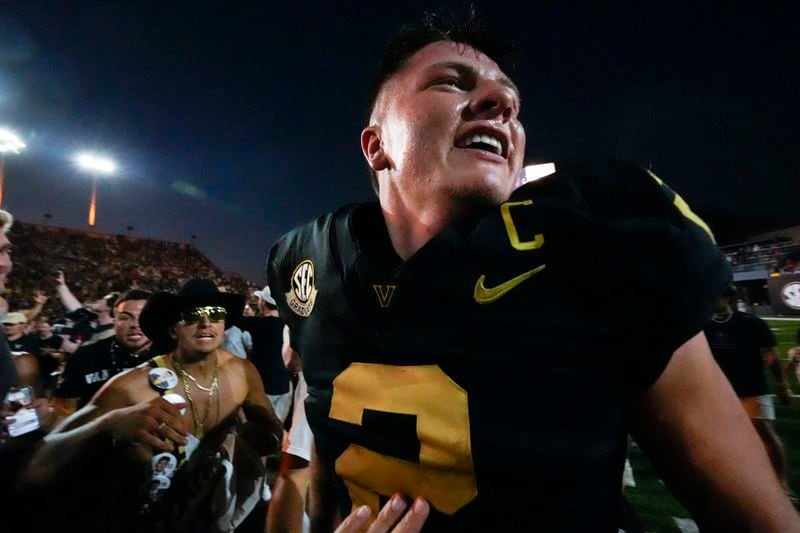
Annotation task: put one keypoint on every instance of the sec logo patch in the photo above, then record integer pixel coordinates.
(303, 293)
(791, 295)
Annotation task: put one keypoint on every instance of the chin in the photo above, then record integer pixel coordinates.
(483, 194)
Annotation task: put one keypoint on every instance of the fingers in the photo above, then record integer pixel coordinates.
(389, 515)
(150, 439)
(412, 519)
(168, 422)
(155, 423)
(356, 521)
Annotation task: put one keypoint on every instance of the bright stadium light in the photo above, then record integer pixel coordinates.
(10, 143)
(534, 172)
(96, 165)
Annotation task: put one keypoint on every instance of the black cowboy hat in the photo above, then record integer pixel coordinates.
(163, 309)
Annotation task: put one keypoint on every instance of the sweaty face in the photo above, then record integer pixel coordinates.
(449, 125)
(201, 337)
(5, 260)
(126, 325)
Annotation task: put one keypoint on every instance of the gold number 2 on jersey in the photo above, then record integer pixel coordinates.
(444, 474)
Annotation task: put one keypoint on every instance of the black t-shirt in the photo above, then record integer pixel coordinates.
(736, 345)
(26, 343)
(53, 342)
(91, 366)
(267, 335)
(445, 375)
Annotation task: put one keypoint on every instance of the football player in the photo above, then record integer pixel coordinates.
(456, 350)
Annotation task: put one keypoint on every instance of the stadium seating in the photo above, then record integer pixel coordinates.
(95, 264)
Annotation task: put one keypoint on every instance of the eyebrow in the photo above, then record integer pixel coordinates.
(469, 70)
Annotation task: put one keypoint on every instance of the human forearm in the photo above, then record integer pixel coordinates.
(693, 428)
(33, 312)
(67, 298)
(62, 447)
(263, 430)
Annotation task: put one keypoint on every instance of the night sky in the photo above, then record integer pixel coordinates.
(234, 121)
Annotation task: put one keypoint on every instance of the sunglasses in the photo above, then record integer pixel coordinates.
(193, 316)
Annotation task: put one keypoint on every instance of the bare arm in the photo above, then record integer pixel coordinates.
(291, 359)
(67, 298)
(323, 512)
(68, 346)
(694, 429)
(265, 430)
(39, 300)
(108, 418)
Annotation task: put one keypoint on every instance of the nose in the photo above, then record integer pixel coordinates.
(204, 320)
(493, 99)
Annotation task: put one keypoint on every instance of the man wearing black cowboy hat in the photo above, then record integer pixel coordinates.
(177, 403)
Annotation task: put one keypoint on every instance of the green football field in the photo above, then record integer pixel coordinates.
(652, 500)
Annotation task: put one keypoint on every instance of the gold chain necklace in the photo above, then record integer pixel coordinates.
(212, 395)
(196, 382)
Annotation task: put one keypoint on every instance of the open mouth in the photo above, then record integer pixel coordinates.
(486, 141)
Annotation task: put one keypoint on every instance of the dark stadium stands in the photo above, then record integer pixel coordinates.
(95, 264)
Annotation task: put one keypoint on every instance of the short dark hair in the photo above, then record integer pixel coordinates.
(132, 294)
(433, 26)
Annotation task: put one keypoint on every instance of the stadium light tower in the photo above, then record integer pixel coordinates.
(97, 166)
(9, 144)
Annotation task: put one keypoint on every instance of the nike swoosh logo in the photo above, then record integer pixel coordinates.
(487, 295)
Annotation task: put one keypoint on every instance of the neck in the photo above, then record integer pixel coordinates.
(411, 226)
(411, 222)
(198, 361)
(133, 351)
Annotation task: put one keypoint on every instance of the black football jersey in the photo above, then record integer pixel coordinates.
(491, 371)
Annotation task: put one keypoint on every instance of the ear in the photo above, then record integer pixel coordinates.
(372, 148)
(173, 332)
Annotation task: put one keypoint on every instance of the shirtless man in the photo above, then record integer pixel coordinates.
(176, 403)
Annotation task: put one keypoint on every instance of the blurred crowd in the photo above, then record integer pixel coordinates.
(775, 255)
(95, 264)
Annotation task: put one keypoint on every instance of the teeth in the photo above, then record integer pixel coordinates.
(488, 140)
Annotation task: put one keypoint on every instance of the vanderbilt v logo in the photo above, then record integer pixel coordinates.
(384, 293)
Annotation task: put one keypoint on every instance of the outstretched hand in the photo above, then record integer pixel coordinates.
(395, 516)
(155, 423)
